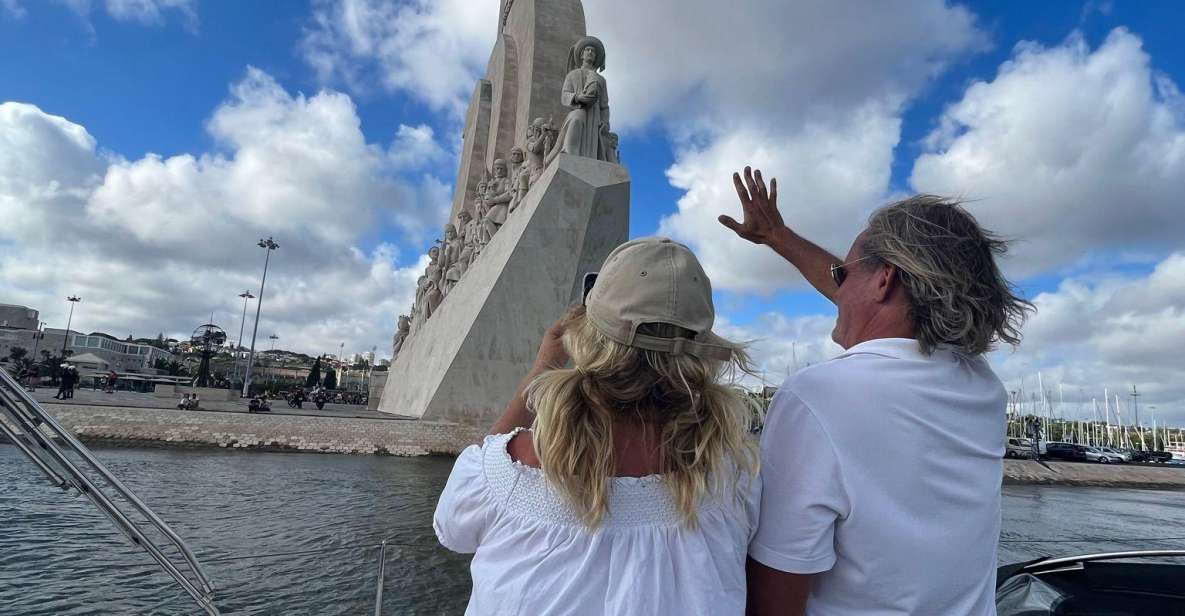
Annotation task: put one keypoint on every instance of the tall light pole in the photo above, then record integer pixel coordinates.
(341, 366)
(246, 295)
(73, 299)
(270, 245)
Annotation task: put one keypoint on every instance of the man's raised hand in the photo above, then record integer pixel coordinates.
(762, 221)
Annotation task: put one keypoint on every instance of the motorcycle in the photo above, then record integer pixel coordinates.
(320, 398)
(295, 399)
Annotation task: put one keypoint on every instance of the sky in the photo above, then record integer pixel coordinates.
(147, 145)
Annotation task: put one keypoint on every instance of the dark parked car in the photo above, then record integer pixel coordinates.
(1065, 451)
(1159, 456)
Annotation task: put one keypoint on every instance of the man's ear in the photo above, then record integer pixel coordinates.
(886, 282)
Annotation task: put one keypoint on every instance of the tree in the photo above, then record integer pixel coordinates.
(171, 368)
(16, 354)
(314, 374)
(330, 379)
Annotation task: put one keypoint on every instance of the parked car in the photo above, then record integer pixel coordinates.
(1117, 455)
(1093, 454)
(1065, 451)
(1018, 448)
(1159, 456)
(1140, 456)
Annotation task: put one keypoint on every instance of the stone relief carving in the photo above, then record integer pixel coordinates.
(584, 132)
(401, 334)
(499, 192)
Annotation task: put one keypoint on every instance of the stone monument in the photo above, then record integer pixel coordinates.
(535, 207)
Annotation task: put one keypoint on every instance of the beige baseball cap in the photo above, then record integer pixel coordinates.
(656, 280)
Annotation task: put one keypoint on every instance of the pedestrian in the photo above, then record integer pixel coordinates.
(63, 382)
(882, 466)
(75, 380)
(625, 484)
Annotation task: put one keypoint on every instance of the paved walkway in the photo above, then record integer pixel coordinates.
(128, 399)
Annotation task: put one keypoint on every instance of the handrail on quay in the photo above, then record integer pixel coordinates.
(33, 431)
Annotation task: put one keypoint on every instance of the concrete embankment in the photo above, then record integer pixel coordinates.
(1102, 475)
(168, 427)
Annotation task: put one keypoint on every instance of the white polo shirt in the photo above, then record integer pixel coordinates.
(882, 475)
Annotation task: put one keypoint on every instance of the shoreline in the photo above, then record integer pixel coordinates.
(290, 433)
(131, 427)
(1085, 474)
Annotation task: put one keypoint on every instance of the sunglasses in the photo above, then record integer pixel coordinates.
(839, 273)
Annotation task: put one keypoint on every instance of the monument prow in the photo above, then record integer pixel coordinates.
(466, 361)
(536, 207)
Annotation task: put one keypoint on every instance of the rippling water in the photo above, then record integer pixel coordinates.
(59, 556)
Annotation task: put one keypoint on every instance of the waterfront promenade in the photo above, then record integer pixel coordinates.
(145, 420)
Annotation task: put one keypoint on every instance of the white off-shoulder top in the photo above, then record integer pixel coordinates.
(533, 556)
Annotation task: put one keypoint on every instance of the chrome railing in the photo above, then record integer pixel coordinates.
(378, 598)
(37, 434)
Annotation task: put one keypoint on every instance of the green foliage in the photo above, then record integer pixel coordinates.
(171, 368)
(314, 374)
(330, 379)
(16, 354)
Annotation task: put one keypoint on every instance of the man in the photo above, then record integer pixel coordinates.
(882, 467)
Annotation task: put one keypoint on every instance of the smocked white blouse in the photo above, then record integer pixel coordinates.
(533, 556)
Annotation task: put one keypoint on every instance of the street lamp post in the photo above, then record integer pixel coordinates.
(270, 245)
(73, 299)
(246, 295)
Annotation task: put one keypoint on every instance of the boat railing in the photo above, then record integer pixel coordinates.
(37, 435)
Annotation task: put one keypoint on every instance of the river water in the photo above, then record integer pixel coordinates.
(238, 510)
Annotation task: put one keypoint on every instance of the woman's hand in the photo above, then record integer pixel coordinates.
(763, 222)
(552, 354)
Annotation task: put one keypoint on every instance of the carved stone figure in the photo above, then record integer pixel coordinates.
(471, 232)
(479, 209)
(499, 192)
(539, 145)
(612, 140)
(585, 131)
(454, 247)
(401, 334)
(435, 269)
(417, 307)
(520, 178)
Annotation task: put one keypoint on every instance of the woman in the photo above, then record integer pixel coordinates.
(634, 490)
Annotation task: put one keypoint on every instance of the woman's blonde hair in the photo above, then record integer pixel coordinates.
(702, 418)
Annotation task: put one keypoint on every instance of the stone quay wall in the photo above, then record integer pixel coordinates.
(168, 427)
(1101, 475)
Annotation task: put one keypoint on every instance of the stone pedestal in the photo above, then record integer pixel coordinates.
(465, 363)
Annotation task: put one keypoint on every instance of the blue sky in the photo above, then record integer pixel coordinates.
(888, 100)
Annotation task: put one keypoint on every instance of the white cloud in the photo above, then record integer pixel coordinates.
(812, 93)
(829, 178)
(780, 345)
(432, 50)
(1106, 331)
(143, 12)
(151, 12)
(156, 244)
(1096, 334)
(1077, 151)
(13, 8)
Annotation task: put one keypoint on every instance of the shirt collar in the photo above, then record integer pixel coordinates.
(899, 348)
